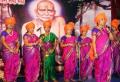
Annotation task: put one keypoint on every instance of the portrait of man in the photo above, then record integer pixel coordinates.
(45, 10)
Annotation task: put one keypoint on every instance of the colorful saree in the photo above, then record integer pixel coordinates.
(69, 57)
(31, 59)
(86, 64)
(103, 64)
(11, 60)
(49, 56)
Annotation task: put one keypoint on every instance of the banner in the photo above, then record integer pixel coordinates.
(20, 2)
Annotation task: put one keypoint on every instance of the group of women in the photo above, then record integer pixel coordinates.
(100, 52)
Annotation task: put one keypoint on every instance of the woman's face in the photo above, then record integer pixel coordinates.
(69, 31)
(101, 22)
(114, 28)
(10, 26)
(31, 30)
(84, 33)
(47, 29)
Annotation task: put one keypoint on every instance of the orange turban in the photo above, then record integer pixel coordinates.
(84, 28)
(10, 21)
(71, 23)
(47, 24)
(68, 27)
(100, 16)
(115, 23)
(30, 25)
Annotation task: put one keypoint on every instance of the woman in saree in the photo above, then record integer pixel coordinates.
(119, 48)
(10, 42)
(101, 37)
(115, 46)
(69, 56)
(31, 54)
(85, 44)
(48, 45)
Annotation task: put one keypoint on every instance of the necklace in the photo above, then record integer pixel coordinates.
(68, 36)
(10, 33)
(48, 37)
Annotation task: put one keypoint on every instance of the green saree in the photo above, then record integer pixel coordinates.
(49, 58)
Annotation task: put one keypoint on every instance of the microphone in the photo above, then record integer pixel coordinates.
(39, 29)
(110, 28)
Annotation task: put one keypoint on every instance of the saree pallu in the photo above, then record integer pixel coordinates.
(32, 63)
(31, 57)
(11, 60)
(86, 64)
(116, 56)
(49, 67)
(103, 64)
(69, 57)
(11, 65)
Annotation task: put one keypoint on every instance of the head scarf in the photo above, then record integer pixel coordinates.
(84, 28)
(30, 26)
(10, 21)
(100, 16)
(115, 23)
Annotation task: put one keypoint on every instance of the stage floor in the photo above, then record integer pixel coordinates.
(115, 78)
(21, 79)
(60, 79)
